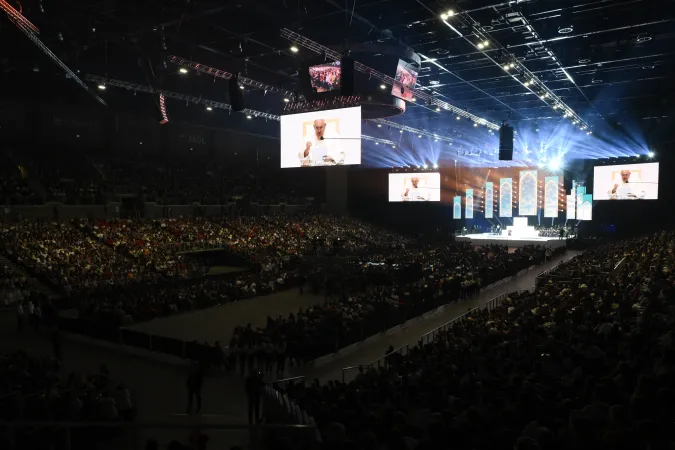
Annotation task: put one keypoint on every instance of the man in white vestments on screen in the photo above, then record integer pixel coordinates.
(322, 149)
(416, 193)
(623, 190)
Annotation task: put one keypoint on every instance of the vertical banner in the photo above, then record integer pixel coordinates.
(489, 198)
(586, 209)
(527, 197)
(571, 210)
(457, 207)
(468, 214)
(505, 197)
(551, 196)
(581, 190)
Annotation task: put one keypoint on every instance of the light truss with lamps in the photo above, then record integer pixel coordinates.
(182, 62)
(134, 87)
(411, 130)
(514, 67)
(27, 28)
(297, 39)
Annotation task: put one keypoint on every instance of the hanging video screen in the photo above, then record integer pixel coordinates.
(325, 77)
(404, 81)
(415, 187)
(626, 182)
(321, 138)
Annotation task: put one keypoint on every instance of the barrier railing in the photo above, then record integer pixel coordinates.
(16, 435)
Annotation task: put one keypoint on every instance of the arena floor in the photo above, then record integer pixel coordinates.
(512, 242)
(217, 323)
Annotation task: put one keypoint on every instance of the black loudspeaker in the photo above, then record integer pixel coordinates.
(506, 143)
(236, 95)
(347, 77)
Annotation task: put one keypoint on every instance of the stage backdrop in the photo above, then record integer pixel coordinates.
(551, 196)
(505, 197)
(527, 201)
(457, 207)
(469, 204)
(489, 198)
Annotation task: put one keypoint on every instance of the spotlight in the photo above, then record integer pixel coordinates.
(377, 143)
(438, 109)
(650, 155)
(383, 86)
(379, 125)
(249, 116)
(457, 117)
(183, 70)
(393, 146)
(480, 46)
(511, 66)
(241, 86)
(506, 67)
(486, 43)
(208, 108)
(414, 99)
(400, 131)
(554, 165)
(435, 166)
(426, 167)
(294, 49)
(419, 136)
(101, 87)
(450, 13)
(475, 124)
(286, 100)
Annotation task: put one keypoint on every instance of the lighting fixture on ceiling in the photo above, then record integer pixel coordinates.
(565, 30)
(486, 43)
(295, 49)
(400, 131)
(434, 82)
(208, 108)
(414, 99)
(101, 87)
(241, 86)
(475, 124)
(383, 86)
(650, 155)
(379, 125)
(286, 100)
(480, 46)
(249, 116)
(457, 117)
(584, 60)
(438, 109)
(643, 38)
(183, 70)
(506, 67)
(450, 13)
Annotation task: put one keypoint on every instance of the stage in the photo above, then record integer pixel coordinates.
(511, 241)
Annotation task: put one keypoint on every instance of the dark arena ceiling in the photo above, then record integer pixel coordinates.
(606, 64)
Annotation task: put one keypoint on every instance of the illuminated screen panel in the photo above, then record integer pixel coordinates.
(505, 197)
(404, 83)
(457, 207)
(321, 138)
(527, 196)
(325, 77)
(469, 204)
(581, 190)
(571, 207)
(415, 187)
(489, 198)
(626, 182)
(551, 196)
(586, 208)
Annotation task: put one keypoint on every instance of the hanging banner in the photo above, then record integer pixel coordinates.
(489, 198)
(469, 204)
(551, 196)
(571, 207)
(505, 197)
(581, 190)
(586, 207)
(457, 207)
(527, 196)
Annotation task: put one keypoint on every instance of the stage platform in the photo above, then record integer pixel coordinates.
(491, 239)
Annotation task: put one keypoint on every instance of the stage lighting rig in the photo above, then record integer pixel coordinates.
(329, 53)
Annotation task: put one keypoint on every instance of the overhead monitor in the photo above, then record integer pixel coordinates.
(626, 182)
(415, 187)
(321, 138)
(404, 82)
(325, 77)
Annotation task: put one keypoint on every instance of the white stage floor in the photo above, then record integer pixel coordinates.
(490, 239)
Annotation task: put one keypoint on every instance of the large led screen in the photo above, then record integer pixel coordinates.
(551, 196)
(457, 207)
(626, 182)
(321, 138)
(415, 187)
(325, 77)
(469, 204)
(404, 83)
(527, 196)
(489, 198)
(505, 197)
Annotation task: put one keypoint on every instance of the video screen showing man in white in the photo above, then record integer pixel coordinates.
(416, 193)
(322, 149)
(624, 190)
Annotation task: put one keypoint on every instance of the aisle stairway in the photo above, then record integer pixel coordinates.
(32, 284)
